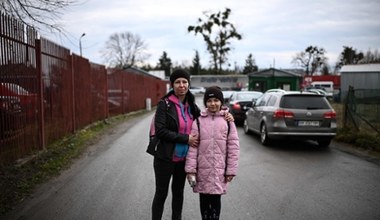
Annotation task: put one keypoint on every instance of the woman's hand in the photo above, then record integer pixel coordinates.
(228, 117)
(193, 140)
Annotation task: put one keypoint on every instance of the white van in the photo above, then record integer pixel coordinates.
(328, 86)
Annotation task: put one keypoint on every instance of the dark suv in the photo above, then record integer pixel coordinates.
(239, 103)
(299, 115)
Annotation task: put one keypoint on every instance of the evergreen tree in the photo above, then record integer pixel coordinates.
(195, 69)
(349, 56)
(165, 63)
(250, 65)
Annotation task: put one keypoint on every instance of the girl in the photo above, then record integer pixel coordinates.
(214, 161)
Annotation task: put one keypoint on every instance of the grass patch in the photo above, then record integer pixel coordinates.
(364, 139)
(359, 139)
(18, 181)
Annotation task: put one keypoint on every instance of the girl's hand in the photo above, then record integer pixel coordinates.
(191, 179)
(190, 176)
(229, 178)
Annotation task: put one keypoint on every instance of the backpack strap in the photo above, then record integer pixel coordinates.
(199, 128)
(228, 129)
(167, 103)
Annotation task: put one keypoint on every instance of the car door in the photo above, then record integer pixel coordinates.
(249, 115)
(258, 111)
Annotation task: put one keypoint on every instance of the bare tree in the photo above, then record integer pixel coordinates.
(371, 57)
(312, 59)
(124, 50)
(37, 13)
(217, 32)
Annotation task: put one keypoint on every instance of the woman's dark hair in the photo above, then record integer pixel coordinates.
(193, 107)
(195, 111)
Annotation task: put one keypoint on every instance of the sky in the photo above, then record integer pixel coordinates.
(273, 31)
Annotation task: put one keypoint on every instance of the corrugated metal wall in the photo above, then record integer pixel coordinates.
(359, 80)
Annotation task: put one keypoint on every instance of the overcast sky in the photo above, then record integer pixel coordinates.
(273, 30)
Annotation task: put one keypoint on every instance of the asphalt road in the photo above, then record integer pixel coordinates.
(290, 180)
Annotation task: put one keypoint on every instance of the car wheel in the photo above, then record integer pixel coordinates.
(324, 143)
(245, 127)
(264, 135)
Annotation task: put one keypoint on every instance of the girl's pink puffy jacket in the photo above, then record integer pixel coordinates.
(216, 155)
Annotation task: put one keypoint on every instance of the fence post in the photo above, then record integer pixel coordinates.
(349, 107)
(72, 92)
(41, 112)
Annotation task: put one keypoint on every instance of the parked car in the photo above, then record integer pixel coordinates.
(25, 99)
(9, 104)
(321, 92)
(239, 103)
(299, 115)
(10, 113)
(226, 95)
(197, 90)
(275, 90)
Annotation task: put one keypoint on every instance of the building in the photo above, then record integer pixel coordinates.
(226, 82)
(360, 77)
(274, 79)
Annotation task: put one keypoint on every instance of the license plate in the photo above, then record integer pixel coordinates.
(308, 123)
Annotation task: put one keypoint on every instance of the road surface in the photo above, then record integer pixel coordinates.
(290, 180)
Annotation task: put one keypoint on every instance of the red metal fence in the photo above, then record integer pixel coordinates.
(46, 92)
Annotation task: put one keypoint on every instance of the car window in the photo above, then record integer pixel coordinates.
(262, 100)
(272, 100)
(242, 96)
(232, 97)
(247, 96)
(304, 102)
(257, 102)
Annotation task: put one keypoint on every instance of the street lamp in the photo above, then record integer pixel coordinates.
(80, 43)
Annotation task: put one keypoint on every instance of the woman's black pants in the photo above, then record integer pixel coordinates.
(164, 171)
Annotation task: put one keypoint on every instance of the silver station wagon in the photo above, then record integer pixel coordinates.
(293, 115)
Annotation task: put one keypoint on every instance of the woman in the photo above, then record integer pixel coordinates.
(214, 162)
(174, 117)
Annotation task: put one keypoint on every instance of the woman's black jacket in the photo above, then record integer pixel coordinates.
(166, 124)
